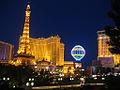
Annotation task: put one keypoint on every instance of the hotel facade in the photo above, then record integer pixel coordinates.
(6, 50)
(103, 48)
(50, 49)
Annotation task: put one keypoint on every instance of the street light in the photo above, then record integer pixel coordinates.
(32, 83)
(29, 79)
(4, 78)
(95, 78)
(82, 81)
(14, 86)
(59, 79)
(8, 78)
(103, 78)
(27, 84)
(32, 79)
(71, 78)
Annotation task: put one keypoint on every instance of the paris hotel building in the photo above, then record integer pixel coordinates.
(48, 49)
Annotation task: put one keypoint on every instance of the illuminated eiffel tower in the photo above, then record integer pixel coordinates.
(24, 44)
(24, 55)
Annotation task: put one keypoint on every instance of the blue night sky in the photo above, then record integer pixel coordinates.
(75, 21)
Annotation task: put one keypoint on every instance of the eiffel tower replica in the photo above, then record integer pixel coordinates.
(24, 55)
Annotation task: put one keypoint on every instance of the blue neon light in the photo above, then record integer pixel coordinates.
(78, 52)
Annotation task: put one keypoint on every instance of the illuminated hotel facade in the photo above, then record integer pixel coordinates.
(50, 49)
(103, 47)
(6, 50)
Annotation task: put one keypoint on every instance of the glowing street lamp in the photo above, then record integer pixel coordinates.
(32, 79)
(4, 78)
(60, 79)
(29, 79)
(32, 83)
(8, 78)
(27, 84)
(71, 78)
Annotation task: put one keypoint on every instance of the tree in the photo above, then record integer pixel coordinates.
(114, 32)
(111, 82)
(18, 74)
(44, 78)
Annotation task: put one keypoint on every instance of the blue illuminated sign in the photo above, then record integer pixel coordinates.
(78, 52)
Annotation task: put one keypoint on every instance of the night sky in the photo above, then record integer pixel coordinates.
(75, 21)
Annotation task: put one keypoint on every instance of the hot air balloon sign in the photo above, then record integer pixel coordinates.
(78, 52)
